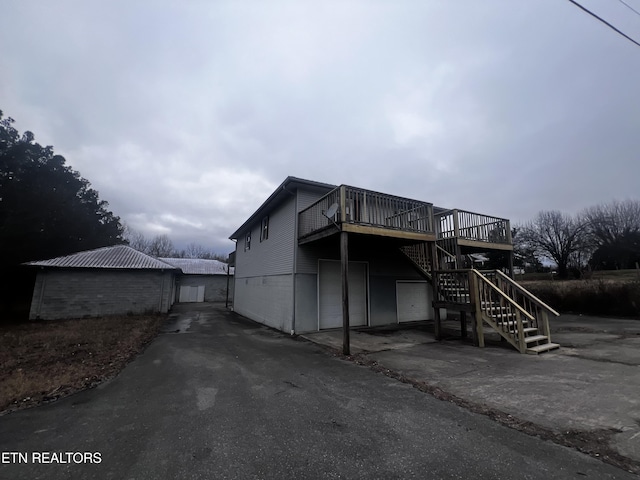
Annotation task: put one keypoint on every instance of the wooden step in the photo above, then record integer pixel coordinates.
(529, 330)
(511, 323)
(545, 347)
(535, 338)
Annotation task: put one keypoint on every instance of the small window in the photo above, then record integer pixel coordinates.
(247, 242)
(264, 229)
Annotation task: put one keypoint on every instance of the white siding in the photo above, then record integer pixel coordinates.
(273, 256)
(267, 299)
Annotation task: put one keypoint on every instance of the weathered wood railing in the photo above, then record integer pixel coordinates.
(539, 310)
(365, 207)
(472, 226)
(452, 286)
(313, 218)
(420, 255)
(502, 312)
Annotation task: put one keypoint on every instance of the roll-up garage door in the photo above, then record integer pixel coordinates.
(191, 293)
(330, 294)
(414, 301)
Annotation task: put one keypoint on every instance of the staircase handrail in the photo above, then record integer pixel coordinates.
(527, 293)
(502, 294)
(446, 252)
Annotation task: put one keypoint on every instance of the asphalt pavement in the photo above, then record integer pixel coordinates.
(217, 396)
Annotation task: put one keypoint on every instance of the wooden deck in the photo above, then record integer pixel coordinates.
(366, 212)
(355, 210)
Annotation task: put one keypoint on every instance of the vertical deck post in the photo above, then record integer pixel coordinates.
(476, 301)
(463, 324)
(456, 236)
(510, 260)
(344, 260)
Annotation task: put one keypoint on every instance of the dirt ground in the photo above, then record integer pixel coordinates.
(44, 360)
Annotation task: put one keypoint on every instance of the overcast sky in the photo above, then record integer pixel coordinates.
(185, 115)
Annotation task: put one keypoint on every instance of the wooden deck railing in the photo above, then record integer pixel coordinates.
(365, 207)
(498, 309)
(538, 310)
(472, 226)
(313, 219)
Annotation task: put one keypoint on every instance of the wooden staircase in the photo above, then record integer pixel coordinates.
(493, 298)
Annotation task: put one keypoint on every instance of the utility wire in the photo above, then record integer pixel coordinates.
(605, 22)
(629, 7)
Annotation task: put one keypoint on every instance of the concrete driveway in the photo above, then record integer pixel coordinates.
(217, 396)
(591, 386)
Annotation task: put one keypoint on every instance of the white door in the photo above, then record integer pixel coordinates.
(413, 301)
(191, 294)
(330, 294)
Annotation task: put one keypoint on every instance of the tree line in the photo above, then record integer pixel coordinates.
(162, 246)
(602, 237)
(48, 210)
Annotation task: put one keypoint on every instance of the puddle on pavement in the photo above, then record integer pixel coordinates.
(179, 325)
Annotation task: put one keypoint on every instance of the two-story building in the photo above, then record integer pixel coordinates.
(314, 254)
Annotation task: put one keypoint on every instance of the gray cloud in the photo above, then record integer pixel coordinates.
(185, 116)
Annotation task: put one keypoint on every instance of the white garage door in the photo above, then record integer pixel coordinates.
(330, 293)
(191, 294)
(414, 301)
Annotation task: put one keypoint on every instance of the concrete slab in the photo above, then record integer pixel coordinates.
(592, 383)
(367, 341)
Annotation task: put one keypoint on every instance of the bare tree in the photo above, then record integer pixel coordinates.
(161, 246)
(557, 237)
(608, 222)
(136, 239)
(615, 231)
(195, 250)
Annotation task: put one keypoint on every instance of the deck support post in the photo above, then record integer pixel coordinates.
(510, 260)
(463, 324)
(477, 329)
(344, 261)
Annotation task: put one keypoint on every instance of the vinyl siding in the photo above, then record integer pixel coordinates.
(266, 299)
(273, 256)
(91, 293)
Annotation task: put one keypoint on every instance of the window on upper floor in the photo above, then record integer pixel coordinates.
(264, 228)
(247, 242)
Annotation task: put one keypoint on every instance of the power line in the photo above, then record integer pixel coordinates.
(605, 22)
(629, 7)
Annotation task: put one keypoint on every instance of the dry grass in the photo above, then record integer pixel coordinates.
(42, 361)
(604, 294)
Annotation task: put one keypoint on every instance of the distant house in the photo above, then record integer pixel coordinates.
(201, 280)
(404, 257)
(106, 281)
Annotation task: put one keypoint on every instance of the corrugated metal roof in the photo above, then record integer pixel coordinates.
(118, 256)
(198, 266)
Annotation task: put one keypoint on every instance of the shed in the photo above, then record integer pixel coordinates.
(201, 280)
(105, 281)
